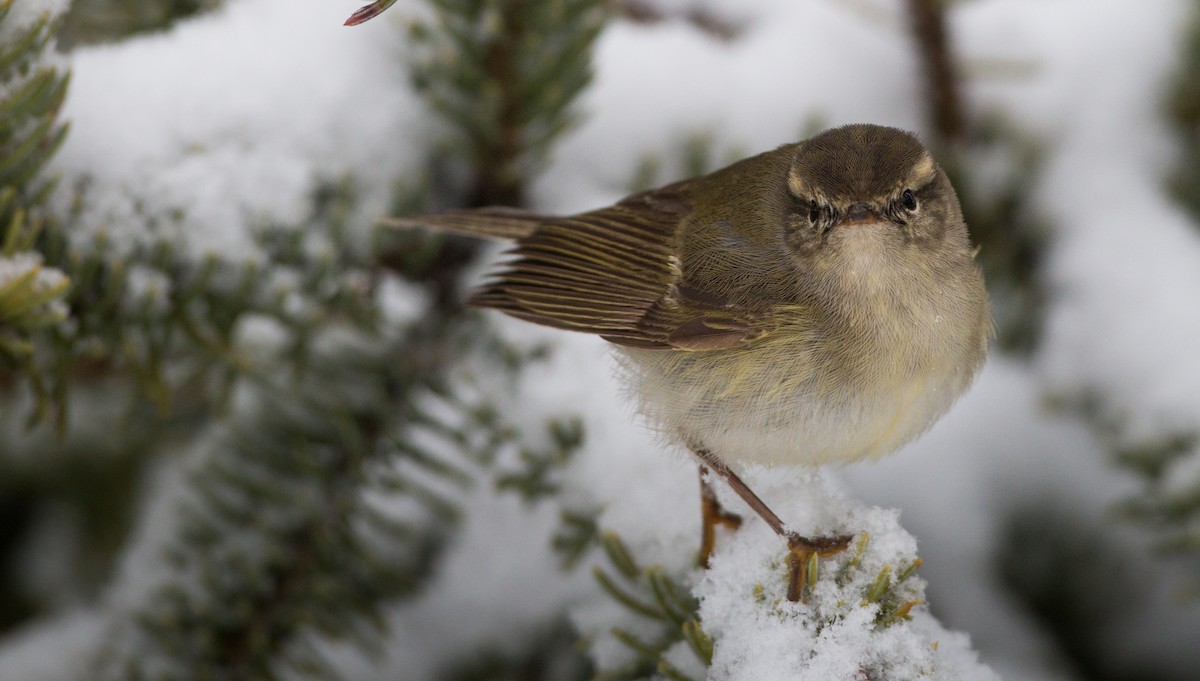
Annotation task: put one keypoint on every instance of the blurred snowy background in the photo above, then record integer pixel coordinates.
(258, 438)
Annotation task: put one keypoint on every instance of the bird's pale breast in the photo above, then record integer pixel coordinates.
(820, 392)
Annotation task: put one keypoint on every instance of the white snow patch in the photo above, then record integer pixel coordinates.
(231, 119)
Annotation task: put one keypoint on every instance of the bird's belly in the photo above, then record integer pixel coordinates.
(781, 412)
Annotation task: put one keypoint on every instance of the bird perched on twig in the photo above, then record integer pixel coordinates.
(813, 304)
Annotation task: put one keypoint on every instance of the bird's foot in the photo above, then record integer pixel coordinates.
(804, 553)
(712, 514)
(803, 556)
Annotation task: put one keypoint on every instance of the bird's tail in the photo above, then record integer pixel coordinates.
(506, 224)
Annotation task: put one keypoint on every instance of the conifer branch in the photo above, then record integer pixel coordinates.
(927, 19)
(506, 74)
(1168, 502)
(32, 291)
(89, 22)
(313, 557)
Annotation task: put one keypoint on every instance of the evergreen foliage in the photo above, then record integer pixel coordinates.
(652, 594)
(31, 92)
(96, 21)
(325, 448)
(1070, 574)
(552, 655)
(311, 462)
(318, 436)
(505, 75)
(1182, 109)
(668, 614)
(1168, 503)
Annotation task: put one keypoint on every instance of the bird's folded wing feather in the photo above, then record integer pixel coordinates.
(508, 224)
(611, 272)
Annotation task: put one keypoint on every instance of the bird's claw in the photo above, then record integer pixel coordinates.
(803, 553)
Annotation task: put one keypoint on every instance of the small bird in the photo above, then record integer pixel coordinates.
(814, 304)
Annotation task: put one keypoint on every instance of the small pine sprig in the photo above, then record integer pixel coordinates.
(893, 602)
(1169, 502)
(326, 497)
(1168, 464)
(31, 94)
(166, 322)
(30, 298)
(669, 640)
(519, 461)
(655, 595)
(505, 75)
(887, 590)
(1167, 467)
(306, 515)
(534, 474)
(577, 534)
(1182, 111)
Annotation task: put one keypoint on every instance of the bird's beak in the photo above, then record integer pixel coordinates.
(859, 214)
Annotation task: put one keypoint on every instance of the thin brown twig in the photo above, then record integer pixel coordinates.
(927, 20)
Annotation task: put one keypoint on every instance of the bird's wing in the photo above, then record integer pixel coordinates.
(613, 272)
(687, 319)
(507, 224)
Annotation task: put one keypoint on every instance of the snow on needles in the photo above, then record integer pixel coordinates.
(24, 272)
(839, 634)
(1128, 259)
(230, 120)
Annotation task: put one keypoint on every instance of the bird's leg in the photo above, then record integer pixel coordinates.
(802, 550)
(711, 515)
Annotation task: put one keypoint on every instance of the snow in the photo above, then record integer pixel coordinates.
(996, 450)
(485, 597)
(756, 93)
(834, 635)
(230, 120)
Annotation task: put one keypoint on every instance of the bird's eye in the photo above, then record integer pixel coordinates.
(908, 200)
(814, 211)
